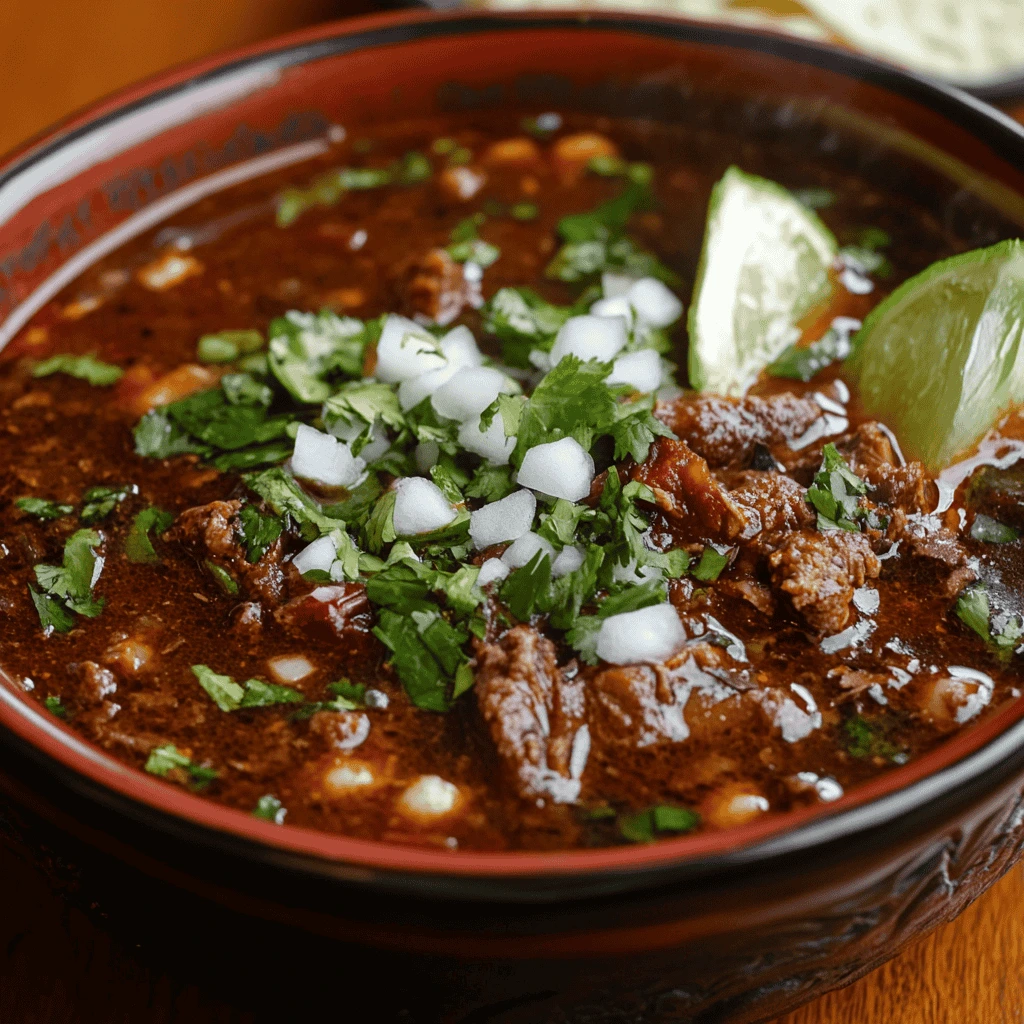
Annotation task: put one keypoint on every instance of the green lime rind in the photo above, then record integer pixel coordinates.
(941, 358)
(764, 265)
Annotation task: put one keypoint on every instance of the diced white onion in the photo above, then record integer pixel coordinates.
(405, 350)
(654, 302)
(411, 392)
(491, 571)
(323, 458)
(617, 306)
(289, 668)
(492, 444)
(524, 548)
(646, 635)
(466, 394)
(377, 446)
(459, 347)
(613, 285)
(503, 520)
(430, 796)
(569, 560)
(426, 455)
(590, 337)
(420, 507)
(561, 469)
(350, 775)
(641, 370)
(318, 555)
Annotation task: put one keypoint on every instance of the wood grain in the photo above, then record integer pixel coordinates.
(59, 965)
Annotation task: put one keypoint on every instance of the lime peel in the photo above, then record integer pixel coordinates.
(941, 358)
(764, 265)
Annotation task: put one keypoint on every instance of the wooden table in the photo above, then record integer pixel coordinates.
(59, 964)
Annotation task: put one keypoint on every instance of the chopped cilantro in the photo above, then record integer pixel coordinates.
(1003, 631)
(99, 502)
(490, 483)
(55, 707)
(259, 531)
(227, 346)
(426, 651)
(43, 509)
(87, 368)
(138, 547)
(524, 211)
(527, 587)
(468, 247)
(522, 321)
(68, 587)
(253, 693)
(991, 531)
(712, 562)
(269, 808)
(224, 579)
(645, 826)
(835, 493)
(280, 490)
(868, 739)
(163, 760)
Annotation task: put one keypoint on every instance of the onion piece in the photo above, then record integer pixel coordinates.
(492, 444)
(590, 337)
(613, 285)
(524, 548)
(645, 635)
(466, 394)
(430, 796)
(617, 306)
(323, 458)
(289, 668)
(420, 507)
(493, 570)
(318, 555)
(654, 302)
(406, 350)
(560, 469)
(504, 520)
(641, 370)
(569, 560)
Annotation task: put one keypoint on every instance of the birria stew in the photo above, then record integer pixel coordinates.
(522, 482)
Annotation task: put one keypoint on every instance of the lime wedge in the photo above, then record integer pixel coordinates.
(941, 357)
(764, 265)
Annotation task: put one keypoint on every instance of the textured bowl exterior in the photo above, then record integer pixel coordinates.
(740, 925)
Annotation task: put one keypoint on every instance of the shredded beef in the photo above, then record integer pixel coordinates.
(685, 488)
(534, 712)
(727, 431)
(820, 571)
(872, 457)
(779, 503)
(213, 534)
(924, 536)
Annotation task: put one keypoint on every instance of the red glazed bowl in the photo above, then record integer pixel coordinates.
(740, 925)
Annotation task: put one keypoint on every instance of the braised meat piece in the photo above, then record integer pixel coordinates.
(534, 712)
(726, 431)
(873, 458)
(433, 285)
(778, 501)
(820, 571)
(329, 613)
(685, 488)
(213, 534)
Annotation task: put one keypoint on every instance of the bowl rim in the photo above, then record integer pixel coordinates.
(969, 757)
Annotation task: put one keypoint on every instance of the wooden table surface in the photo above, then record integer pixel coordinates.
(60, 964)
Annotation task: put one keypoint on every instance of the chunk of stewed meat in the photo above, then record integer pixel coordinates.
(872, 457)
(726, 431)
(685, 488)
(820, 571)
(534, 712)
(213, 534)
(778, 501)
(329, 613)
(434, 286)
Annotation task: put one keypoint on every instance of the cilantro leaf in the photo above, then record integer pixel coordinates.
(867, 739)
(259, 694)
(712, 562)
(991, 531)
(269, 808)
(282, 493)
(414, 649)
(253, 693)
(55, 707)
(137, 546)
(526, 588)
(158, 437)
(99, 502)
(523, 321)
(224, 579)
(306, 348)
(259, 531)
(227, 346)
(87, 368)
(490, 483)
(163, 760)
(43, 509)
(835, 493)
(645, 826)
(70, 584)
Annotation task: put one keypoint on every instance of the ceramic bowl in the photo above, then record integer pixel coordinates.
(739, 925)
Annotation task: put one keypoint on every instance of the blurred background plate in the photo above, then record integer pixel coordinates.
(977, 45)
